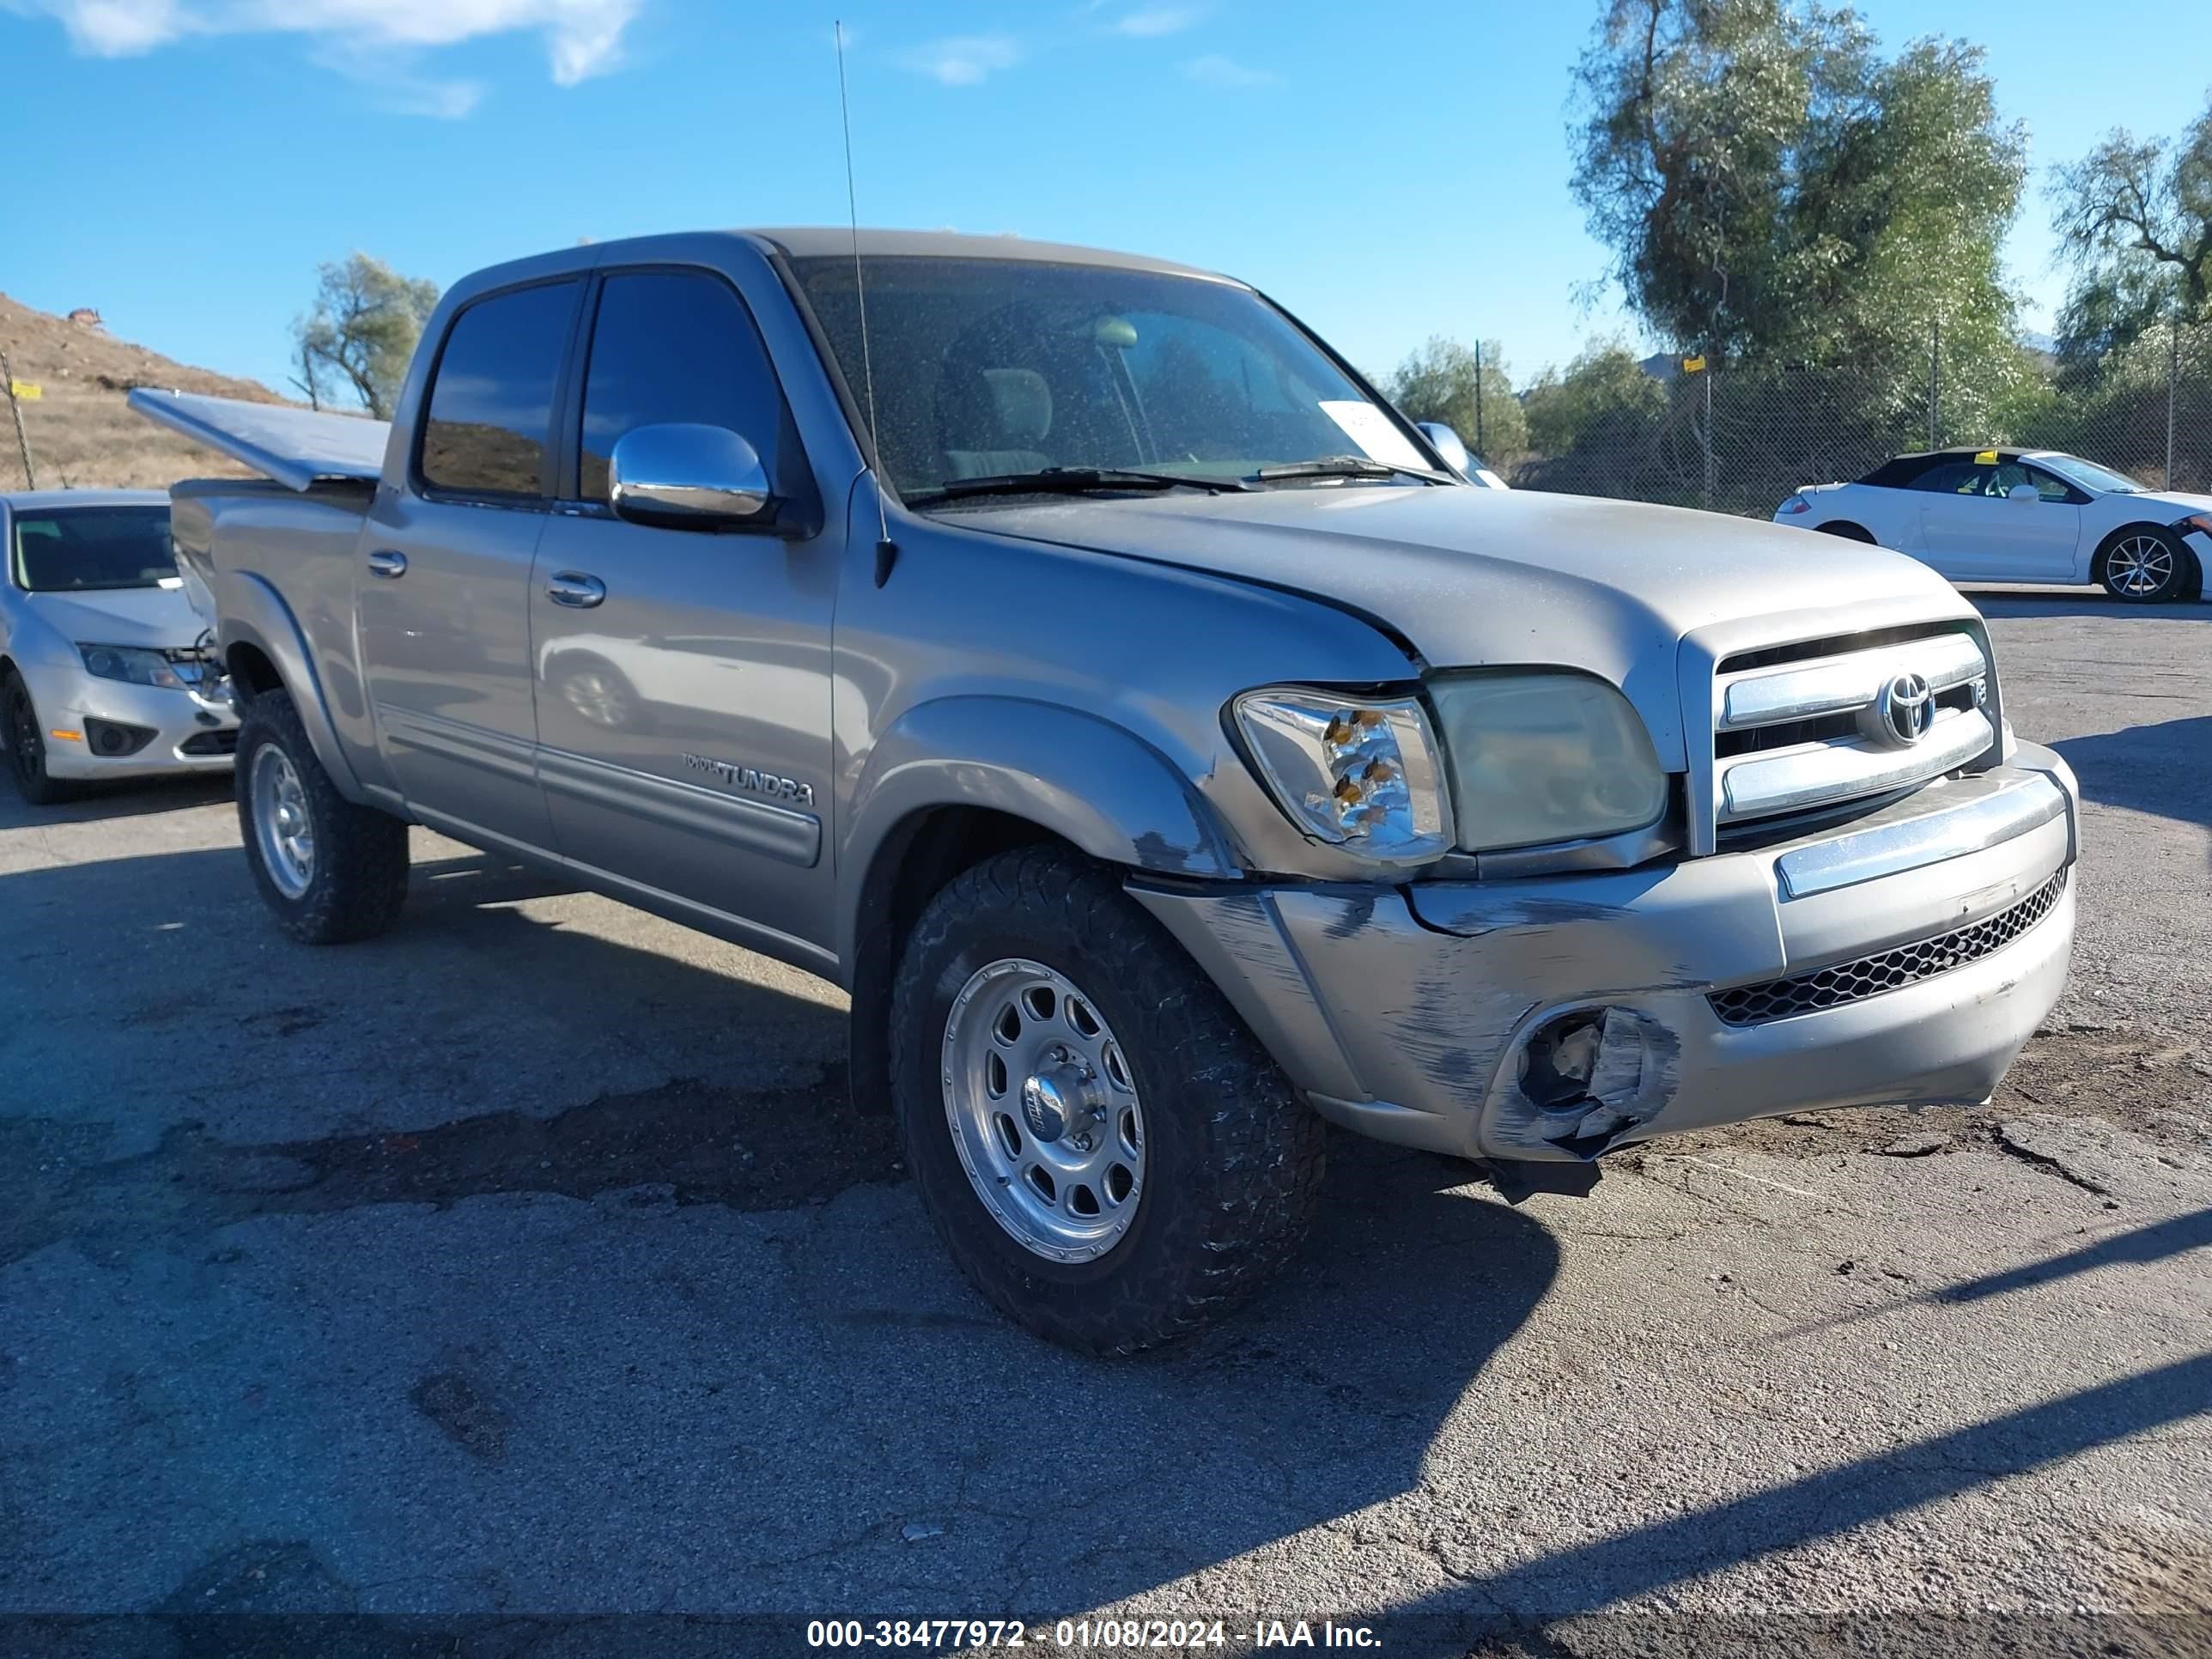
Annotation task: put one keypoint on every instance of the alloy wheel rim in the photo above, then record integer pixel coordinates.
(281, 824)
(2140, 565)
(1043, 1110)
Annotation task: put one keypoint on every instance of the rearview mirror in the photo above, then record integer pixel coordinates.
(682, 476)
(2023, 493)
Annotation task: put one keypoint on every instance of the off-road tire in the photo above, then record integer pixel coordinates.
(37, 786)
(359, 880)
(1234, 1158)
(2181, 577)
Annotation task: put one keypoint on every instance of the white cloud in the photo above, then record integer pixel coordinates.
(1215, 70)
(1156, 20)
(388, 79)
(583, 37)
(962, 60)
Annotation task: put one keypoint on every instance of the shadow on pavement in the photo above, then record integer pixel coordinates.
(2164, 768)
(1322, 1399)
(2029, 603)
(117, 800)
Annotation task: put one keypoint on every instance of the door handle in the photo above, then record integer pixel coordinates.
(387, 562)
(576, 590)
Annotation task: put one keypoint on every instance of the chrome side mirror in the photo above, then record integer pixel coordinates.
(680, 475)
(1446, 442)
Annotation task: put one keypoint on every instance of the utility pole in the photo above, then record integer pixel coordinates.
(1707, 501)
(22, 438)
(1935, 381)
(2172, 386)
(1481, 448)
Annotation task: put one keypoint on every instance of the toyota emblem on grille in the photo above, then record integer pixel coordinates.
(1903, 712)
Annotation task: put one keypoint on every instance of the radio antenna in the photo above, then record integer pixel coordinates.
(886, 549)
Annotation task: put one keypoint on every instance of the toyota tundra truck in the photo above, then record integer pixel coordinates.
(1161, 741)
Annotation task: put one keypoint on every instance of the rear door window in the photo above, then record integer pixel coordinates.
(491, 400)
(674, 346)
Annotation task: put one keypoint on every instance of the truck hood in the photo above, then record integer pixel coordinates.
(155, 617)
(1475, 577)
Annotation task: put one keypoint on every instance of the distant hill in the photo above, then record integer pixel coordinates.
(81, 433)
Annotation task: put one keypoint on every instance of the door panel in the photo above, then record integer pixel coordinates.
(1977, 532)
(683, 719)
(683, 677)
(446, 646)
(444, 581)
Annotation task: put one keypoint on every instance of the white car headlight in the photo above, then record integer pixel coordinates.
(1540, 756)
(129, 662)
(1362, 772)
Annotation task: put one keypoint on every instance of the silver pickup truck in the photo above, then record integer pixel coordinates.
(1163, 744)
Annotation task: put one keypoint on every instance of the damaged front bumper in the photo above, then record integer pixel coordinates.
(1902, 959)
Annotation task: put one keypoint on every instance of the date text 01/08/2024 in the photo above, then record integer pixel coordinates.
(970, 1635)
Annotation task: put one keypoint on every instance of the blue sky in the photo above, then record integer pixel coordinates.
(1388, 171)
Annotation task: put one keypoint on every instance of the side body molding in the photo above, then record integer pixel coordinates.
(254, 614)
(1097, 784)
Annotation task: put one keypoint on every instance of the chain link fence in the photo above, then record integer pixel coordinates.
(1739, 440)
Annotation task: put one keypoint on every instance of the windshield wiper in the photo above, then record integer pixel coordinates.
(1347, 466)
(1070, 481)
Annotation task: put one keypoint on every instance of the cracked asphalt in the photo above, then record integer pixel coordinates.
(526, 1271)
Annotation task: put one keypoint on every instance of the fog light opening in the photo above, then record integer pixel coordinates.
(112, 739)
(1558, 1063)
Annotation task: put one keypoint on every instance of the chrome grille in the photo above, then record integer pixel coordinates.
(1796, 735)
(1886, 970)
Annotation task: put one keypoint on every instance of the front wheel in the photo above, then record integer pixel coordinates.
(331, 872)
(1108, 1154)
(27, 745)
(2146, 565)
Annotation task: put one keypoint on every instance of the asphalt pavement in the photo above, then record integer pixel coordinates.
(522, 1281)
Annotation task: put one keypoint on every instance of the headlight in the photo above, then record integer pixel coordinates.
(1359, 772)
(1540, 756)
(129, 662)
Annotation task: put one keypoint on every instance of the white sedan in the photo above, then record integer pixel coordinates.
(2011, 515)
(102, 670)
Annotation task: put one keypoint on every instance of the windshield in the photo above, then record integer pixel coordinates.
(76, 549)
(2088, 475)
(986, 367)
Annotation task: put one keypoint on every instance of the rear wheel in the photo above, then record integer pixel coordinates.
(1108, 1154)
(331, 870)
(27, 745)
(2145, 564)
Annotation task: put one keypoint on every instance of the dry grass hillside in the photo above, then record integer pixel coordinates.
(81, 432)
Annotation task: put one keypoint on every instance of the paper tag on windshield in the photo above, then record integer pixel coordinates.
(1371, 429)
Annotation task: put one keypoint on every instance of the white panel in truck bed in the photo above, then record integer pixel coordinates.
(297, 447)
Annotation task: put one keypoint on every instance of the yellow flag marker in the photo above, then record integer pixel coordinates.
(23, 392)
(1987, 457)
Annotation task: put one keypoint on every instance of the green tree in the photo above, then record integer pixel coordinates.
(1775, 190)
(1438, 382)
(1604, 396)
(2135, 220)
(362, 333)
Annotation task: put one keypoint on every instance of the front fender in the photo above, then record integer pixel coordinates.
(1094, 784)
(254, 614)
